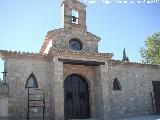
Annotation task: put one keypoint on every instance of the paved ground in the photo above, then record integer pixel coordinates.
(148, 117)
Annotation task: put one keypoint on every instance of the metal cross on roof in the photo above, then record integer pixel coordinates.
(4, 73)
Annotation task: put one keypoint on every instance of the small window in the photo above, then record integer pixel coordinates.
(75, 44)
(31, 82)
(116, 84)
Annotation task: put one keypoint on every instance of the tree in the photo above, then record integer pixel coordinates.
(125, 58)
(151, 54)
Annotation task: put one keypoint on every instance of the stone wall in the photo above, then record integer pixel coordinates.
(18, 72)
(3, 107)
(133, 99)
(136, 82)
(4, 89)
(4, 99)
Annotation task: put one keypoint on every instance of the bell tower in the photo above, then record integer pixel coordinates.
(73, 35)
(73, 14)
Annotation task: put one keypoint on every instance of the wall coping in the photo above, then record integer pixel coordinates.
(127, 63)
(22, 55)
(64, 53)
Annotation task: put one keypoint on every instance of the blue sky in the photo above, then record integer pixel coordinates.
(24, 24)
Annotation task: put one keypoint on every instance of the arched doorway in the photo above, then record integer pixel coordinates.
(76, 98)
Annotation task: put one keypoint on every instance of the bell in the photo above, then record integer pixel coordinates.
(74, 19)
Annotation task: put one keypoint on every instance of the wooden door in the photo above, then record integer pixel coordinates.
(156, 90)
(76, 98)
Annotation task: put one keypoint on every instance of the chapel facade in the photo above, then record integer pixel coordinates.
(75, 80)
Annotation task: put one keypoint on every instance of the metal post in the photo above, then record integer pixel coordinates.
(152, 97)
(28, 106)
(43, 106)
(43, 109)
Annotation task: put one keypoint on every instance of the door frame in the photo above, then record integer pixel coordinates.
(156, 84)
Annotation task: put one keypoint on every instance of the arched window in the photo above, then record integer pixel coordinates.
(31, 82)
(116, 84)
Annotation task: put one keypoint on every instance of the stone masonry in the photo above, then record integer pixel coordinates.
(136, 81)
(59, 59)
